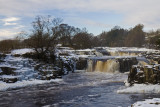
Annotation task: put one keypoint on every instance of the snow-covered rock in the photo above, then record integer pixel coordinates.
(140, 88)
(21, 51)
(155, 102)
(6, 86)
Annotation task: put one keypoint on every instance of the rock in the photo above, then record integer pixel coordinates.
(103, 51)
(139, 77)
(48, 77)
(10, 80)
(126, 63)
(1, 61)
(81, 64)
(132, 75)
(37, 66)
(7, 71)
(147, 74)
(2, 56)
(17, 55)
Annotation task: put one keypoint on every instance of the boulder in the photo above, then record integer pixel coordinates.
(10, 80)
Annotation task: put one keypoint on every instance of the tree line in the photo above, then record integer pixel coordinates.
(47, 32)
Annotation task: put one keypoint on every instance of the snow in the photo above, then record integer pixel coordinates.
(8, 76)
(149, 66)
(22, 51)
(155, 102)
(140, 88)
(126, 49)
(5, 86)
(86, 50)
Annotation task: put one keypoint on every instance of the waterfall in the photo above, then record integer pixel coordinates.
(111, 64)
(90, 65)
(107, 66)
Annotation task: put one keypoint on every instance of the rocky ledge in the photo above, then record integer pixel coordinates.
(148, 74)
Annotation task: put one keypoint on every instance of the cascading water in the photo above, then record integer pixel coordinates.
(111, 64)
(107, 66)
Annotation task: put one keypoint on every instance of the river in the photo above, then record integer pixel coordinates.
(79, 89)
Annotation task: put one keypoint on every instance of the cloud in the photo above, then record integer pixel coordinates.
(8, 24)
(7, 33)
(133, 11)
(10, 27)
(10, 19)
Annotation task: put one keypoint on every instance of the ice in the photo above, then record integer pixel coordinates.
(5, 86)
(21, 51)
(155, 102)
(140, 88)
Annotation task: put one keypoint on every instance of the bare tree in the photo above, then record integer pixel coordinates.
(83, 40)
(44, 35)
(67, 33)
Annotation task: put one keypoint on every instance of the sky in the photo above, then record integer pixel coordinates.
(95, 15)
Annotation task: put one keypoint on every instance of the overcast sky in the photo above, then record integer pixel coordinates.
(95, 15)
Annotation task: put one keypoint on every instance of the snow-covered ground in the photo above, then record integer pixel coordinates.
(128, 49)
(155, 102)
(24, 71)
(24, 67)
(140, 88)
(21, 51)
(6, 86)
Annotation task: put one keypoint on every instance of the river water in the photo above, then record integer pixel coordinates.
(79, 89)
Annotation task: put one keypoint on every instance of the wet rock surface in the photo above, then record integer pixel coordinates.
(147, 74)
(7, 71)
(81, 64)
(126, 64)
